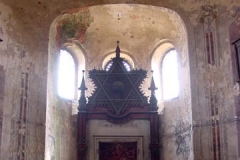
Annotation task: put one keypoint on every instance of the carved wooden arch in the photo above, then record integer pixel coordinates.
(118, 99)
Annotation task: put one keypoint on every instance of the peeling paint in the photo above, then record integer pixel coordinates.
(24, 29)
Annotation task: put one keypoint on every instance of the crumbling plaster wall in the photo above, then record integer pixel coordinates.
(23, 104)
(25, 26)
(215, 87)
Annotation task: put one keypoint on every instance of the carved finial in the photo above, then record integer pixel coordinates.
(118, 50)
(82, 100)
(153, 99)
(152, 85)
(83, 86)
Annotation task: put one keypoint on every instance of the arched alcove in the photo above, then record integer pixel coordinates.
(142, 31)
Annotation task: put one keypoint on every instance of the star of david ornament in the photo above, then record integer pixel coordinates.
(117, 89)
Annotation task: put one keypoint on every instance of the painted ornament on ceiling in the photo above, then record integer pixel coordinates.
(74, 26)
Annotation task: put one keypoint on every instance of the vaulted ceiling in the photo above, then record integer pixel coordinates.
(131, 21)
(139, 28)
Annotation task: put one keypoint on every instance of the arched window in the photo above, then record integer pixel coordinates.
(125, 63)
(169, 68)
(109, 65)
(128, 61)
(66, 75)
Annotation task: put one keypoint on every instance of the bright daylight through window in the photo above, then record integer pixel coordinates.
(170, 75)
(125, 63)
(66, 75)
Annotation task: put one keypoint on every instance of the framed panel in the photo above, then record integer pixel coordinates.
(126, 145)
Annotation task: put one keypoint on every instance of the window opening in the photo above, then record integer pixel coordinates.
(109, 65)
(170, 82)
(125, 63)
(66, 75)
